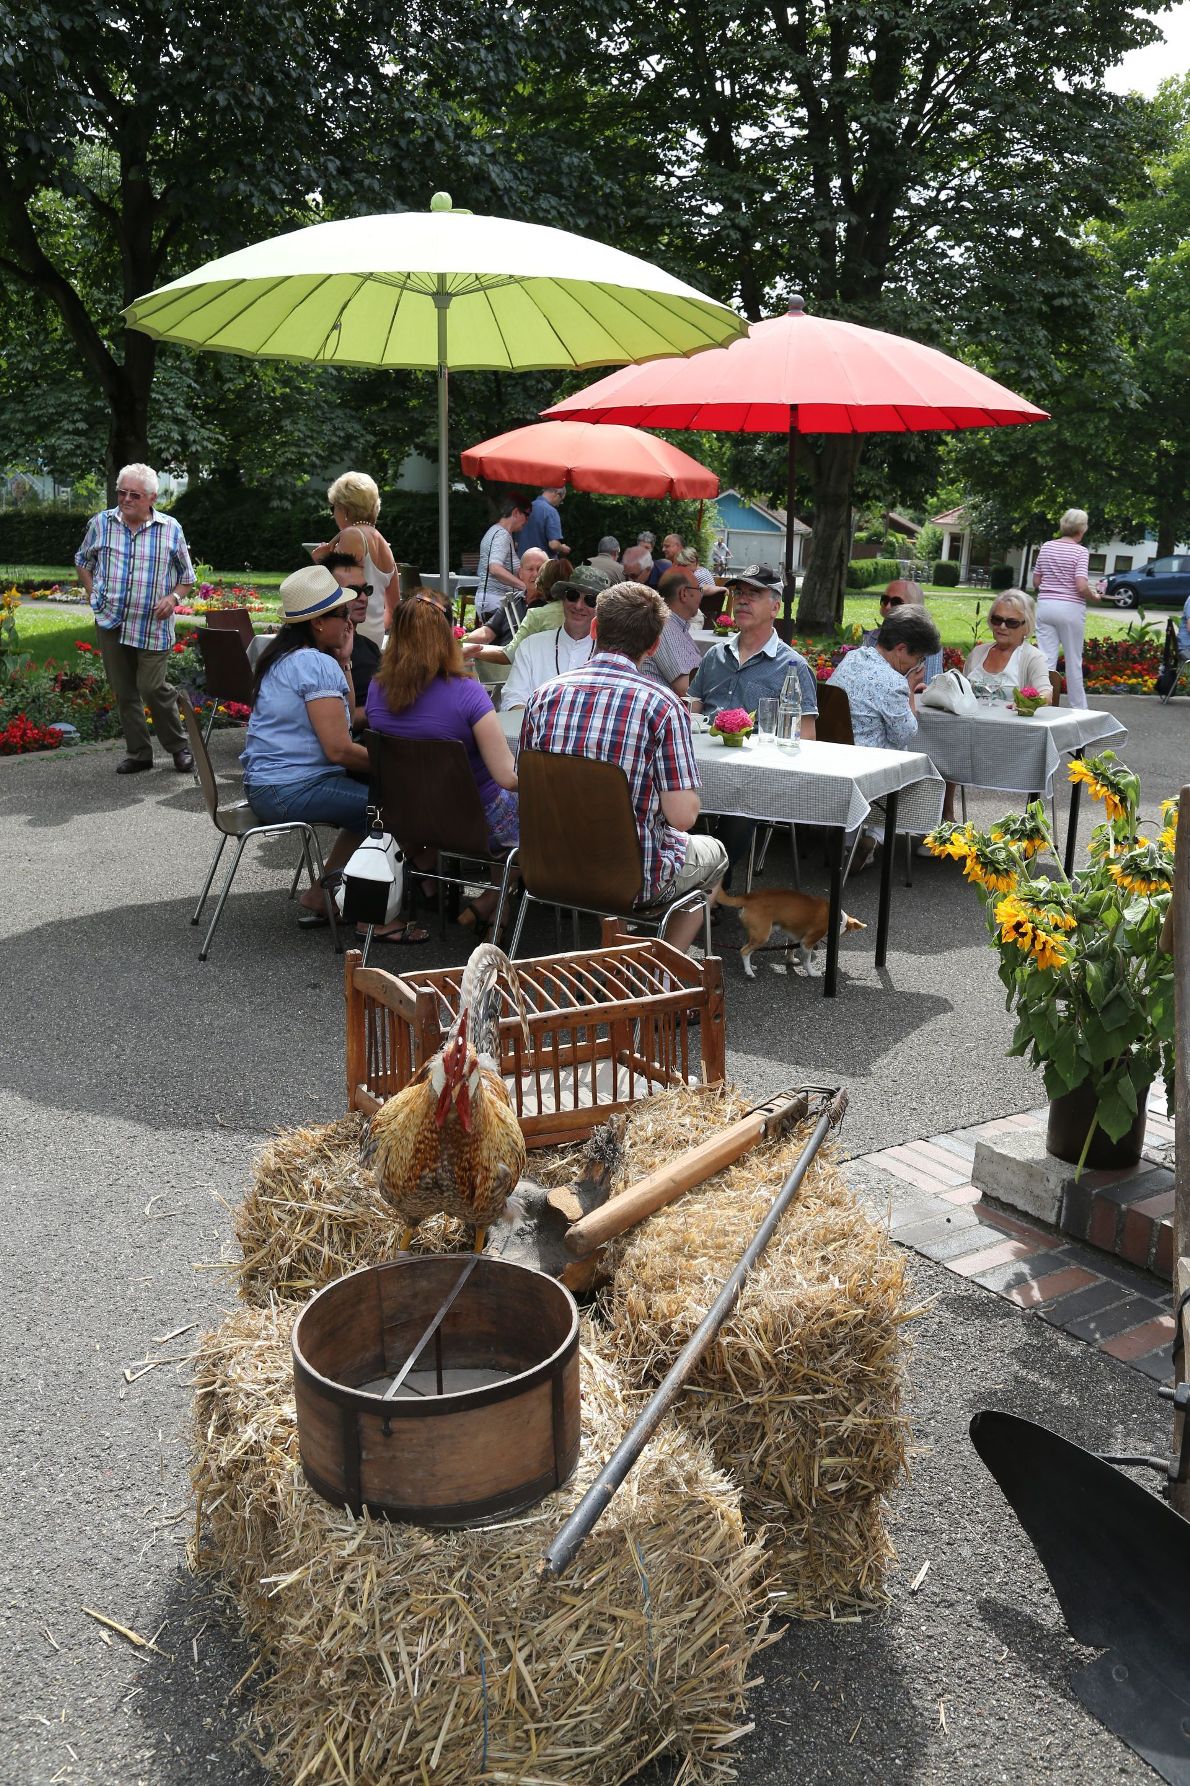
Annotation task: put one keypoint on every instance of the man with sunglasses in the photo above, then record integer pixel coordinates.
(545, 655)
(135, 567)
(348, 573)
(900, 593)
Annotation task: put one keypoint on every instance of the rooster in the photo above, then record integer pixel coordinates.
(449, 1142)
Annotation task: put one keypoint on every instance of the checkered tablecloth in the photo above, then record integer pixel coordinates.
(1003, 750)
(818, 784)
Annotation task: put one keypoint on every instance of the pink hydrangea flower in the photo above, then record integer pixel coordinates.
(732, 719)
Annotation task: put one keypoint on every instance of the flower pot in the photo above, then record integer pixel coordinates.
(734, 739)
(1071, 1116)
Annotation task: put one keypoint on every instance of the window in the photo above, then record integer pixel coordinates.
(1121, 563)
(1162, 567)
(1097, 561)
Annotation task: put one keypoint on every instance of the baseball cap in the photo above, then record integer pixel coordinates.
(759, 576)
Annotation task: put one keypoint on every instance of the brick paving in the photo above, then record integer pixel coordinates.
(1102, 1277)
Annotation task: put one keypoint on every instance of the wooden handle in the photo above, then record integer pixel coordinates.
(681, 1174)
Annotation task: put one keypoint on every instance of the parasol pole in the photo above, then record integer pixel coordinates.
(442, 305)
(790, 580)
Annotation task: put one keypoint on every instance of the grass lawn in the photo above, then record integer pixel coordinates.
(48, 632)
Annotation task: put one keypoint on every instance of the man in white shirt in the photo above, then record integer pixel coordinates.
(543, 656)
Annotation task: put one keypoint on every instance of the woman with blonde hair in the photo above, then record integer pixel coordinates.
(422, 690)
(355, 505)
(1060, 579)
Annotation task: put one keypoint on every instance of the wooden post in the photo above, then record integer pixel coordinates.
(354, 1003)
(1179, 910)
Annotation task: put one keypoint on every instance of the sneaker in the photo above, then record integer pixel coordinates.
(865, 851)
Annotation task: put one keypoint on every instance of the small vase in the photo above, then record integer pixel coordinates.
(735, 740)
(1071, 1115)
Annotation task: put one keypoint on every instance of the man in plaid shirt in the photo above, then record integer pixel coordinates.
(134, 565)
(611, 710)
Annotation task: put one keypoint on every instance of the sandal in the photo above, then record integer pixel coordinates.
(408, 936)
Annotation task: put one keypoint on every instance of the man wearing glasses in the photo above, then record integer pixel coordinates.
(135, 567)
(567, 647)
(903, 594)
(348, 573)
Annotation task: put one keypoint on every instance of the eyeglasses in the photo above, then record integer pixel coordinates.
(133, 495)
(892, 601)
(1003, 620)
(358, 589)
(580, 595)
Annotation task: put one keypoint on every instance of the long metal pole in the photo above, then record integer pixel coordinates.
(791, 467)
(594, 1503)
(442, 305)
(1178, 921)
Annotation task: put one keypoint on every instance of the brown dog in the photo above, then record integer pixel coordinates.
(802, 916)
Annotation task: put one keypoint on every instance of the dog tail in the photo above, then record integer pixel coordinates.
(722, 898)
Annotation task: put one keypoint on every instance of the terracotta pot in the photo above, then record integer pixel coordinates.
(1071, 1115)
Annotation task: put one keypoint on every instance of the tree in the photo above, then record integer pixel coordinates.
(177, 135)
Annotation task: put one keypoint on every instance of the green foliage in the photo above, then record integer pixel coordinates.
(1001, 576)
(945, 573)
(862, 573)
(41, 535)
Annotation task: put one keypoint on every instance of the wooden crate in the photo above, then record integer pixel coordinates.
(607, 1026)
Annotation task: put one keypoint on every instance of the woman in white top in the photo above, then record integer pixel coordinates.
(1060, 579)
(1009, 661)
(355, 505)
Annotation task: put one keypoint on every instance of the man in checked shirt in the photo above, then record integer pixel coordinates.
(135, 567)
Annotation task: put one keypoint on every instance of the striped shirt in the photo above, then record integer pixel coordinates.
(131, 571)
(676, 654)
(1058, 563)
(612, 711)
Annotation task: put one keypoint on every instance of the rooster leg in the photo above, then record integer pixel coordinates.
(406, 1237)
(480, 1235)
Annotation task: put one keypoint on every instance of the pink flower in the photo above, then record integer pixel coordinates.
(732, 719)
(724, 620)
(459, 632)
(1033, 694)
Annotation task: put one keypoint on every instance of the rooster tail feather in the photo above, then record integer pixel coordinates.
(480, 997)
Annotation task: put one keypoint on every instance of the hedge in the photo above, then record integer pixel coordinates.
(863, 572)
(946, 574)
(1001, 576)
(236, 529)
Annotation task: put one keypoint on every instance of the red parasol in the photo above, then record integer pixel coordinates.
(608, 461)
(799, 374)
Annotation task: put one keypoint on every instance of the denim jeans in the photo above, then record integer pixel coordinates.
(324, 798)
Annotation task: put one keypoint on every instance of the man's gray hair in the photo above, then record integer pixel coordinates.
(638, 562)
(608, 547)
(143, 475)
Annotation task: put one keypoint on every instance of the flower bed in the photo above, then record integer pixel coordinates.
(1121, 666)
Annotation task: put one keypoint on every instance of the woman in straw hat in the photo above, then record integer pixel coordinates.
(301, 761)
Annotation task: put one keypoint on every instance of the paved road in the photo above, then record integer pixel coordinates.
(137, 1084)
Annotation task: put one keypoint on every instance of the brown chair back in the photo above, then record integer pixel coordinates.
(1057, 684)
(834, 716)
(202, 760)
(233, 620)
(408, 579)
(427, 794)
(579, 841)
(225, 661)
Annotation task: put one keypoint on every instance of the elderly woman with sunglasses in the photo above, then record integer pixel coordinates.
(422, 690)
(901, 593)
(1008, 662)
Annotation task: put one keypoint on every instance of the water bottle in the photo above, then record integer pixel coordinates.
(789, 711)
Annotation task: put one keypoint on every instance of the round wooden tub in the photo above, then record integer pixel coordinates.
(485, 1420)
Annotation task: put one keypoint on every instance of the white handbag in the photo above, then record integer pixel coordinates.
(374, 878)
(950, 692)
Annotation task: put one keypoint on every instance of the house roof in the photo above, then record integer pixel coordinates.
(778, 517)
(903, 524)
(952, 518)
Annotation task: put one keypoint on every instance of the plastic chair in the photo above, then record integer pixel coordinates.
(428, 799)
(227, 669)
(237, 819)
(580, 847)
(233, 620)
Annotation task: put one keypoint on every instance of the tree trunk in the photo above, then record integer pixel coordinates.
(821, 606)
(128, 429)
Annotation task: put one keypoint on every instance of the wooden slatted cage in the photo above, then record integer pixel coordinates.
(607, 1027)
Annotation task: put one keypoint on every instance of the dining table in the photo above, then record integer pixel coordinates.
(832, 787)
(1000, 749)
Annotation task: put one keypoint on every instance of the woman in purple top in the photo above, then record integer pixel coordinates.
(422, 690)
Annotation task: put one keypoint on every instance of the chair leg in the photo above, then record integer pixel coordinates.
(752, 858)
(305, 862)
(908, 858)
(206, 737)
(502, 896)
(764, 850)
(219, 848)
(328, 896)
(522, 910)
(797, 867)
(963, 798)
(222, 900)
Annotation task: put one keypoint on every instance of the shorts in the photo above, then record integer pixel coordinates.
(327, 797)
(704, 868)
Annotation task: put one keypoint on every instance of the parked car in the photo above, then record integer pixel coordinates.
(1161, 583)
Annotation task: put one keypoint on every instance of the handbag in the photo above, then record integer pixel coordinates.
(374, 878)
(950, 692)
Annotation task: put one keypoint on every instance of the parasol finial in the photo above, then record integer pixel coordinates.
(797, 305)
(441, 202)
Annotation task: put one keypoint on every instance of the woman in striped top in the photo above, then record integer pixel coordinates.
(1060, 579)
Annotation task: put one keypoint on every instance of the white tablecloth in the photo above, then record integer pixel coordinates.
(1003, 750)
(818, 784)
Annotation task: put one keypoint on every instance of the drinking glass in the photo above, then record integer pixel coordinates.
(766, 718)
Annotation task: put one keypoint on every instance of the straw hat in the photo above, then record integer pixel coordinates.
(310, 592)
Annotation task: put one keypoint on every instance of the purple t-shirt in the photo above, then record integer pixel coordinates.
(449, 708)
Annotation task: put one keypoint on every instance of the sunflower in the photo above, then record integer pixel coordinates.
(950, 840)
(1027, 833)
(1018, 925)
(1144, 869)
(1116, 786)
(991, 865)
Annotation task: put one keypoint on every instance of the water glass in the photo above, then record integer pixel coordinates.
(766, 718)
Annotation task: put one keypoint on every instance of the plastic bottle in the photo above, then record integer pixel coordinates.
(789, 711)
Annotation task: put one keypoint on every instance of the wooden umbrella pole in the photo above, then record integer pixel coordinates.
(595, 1502)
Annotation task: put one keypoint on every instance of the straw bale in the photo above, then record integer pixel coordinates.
(801, 1395)
(393, 1654)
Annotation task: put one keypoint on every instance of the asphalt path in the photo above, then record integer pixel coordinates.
(137, 1085)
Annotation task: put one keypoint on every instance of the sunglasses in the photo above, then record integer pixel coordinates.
(892, 601)
(581, 595)
(133, 495)
(358, 589)
(1003, 620)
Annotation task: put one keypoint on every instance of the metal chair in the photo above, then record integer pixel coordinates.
(428, 799)
(233, 620)
(227, 670)
(580, 847)
(237, 819)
